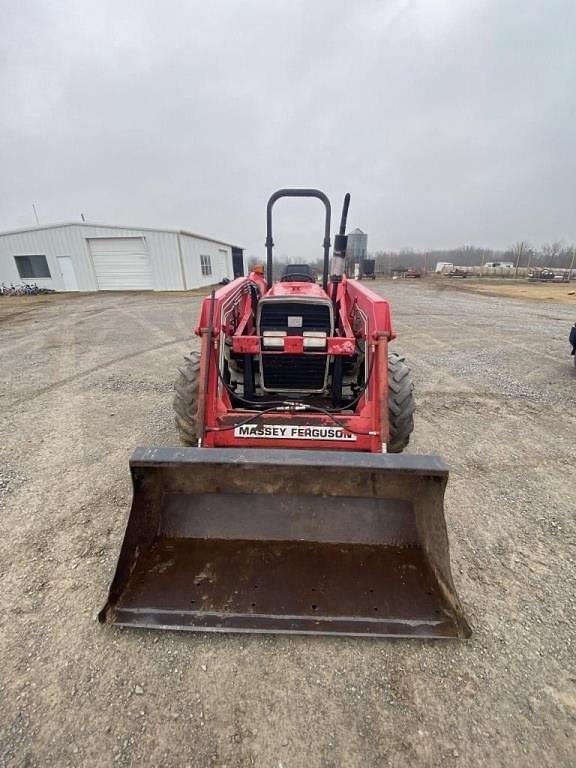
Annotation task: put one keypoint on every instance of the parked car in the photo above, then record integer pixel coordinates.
(457, 273)
(546, 275)
(412, 272)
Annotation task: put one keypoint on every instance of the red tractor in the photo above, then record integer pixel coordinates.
(289, 513)
(294, 364)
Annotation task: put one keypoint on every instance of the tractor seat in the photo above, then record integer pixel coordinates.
(298, 273)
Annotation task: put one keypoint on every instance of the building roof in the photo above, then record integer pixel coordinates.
(39, 227)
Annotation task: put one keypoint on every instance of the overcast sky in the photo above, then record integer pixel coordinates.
(449, 121)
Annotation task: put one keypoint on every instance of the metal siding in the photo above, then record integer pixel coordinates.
(220, 259)
(162, 248)
(65, 241)
(72, 240)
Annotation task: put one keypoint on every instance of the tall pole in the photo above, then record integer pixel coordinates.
(572, 263)
(520, 251)
(35, 213)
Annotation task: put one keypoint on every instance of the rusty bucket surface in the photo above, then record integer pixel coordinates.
(286, 541)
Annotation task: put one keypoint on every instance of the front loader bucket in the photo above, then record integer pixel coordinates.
(286, 541)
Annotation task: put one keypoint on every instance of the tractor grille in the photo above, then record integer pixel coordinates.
(300, 373)
(294, 373)
(274, 316)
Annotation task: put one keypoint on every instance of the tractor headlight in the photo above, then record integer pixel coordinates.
(273, 339)
(314, 340)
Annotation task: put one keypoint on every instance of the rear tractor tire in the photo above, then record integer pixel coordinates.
(401, 404)
(185, 402)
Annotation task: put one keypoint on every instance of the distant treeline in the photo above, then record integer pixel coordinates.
(522, 254)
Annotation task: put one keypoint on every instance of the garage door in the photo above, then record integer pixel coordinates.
(121, 263)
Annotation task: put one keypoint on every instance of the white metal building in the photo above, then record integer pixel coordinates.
(497, 264)
(94, 257)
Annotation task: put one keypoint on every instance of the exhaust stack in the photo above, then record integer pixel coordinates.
(340, 243)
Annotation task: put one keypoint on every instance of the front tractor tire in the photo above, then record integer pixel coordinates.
(185, 402)
(401, 404)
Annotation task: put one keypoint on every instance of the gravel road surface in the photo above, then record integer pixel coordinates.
(86, 379)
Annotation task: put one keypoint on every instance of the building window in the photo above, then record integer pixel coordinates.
(205, 265)
(32, 266)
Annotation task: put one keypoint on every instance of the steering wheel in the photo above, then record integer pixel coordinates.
(293, 277)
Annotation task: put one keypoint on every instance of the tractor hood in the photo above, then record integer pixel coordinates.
(297, 290)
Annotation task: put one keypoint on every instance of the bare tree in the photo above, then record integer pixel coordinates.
(572, 262)
(520, 251)
(556, 254)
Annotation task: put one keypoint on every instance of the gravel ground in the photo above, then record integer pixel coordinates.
(88, 378)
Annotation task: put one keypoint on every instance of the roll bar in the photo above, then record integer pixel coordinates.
(270, 242)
